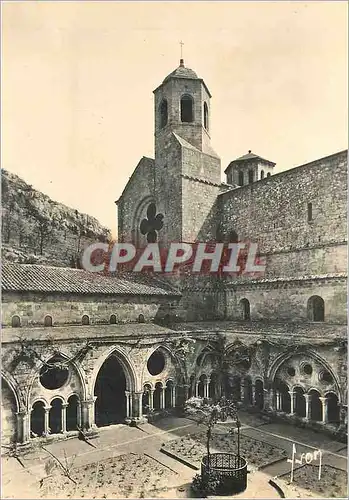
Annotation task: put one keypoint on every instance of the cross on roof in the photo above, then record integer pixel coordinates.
(181, 44)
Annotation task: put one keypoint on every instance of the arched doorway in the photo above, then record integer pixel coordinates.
(73, 409)
(285, 398)
(259, 394)
(332, 408)
(110, 387)
(168, 394)
(55, 416)
(146, 399)
(201, 386)
(315, 406)
(299, 401)
(8, 414)
(158, 396)
(37, 419)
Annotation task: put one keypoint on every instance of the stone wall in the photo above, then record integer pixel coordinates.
(32, 308)
(274, 211)
(287, 301)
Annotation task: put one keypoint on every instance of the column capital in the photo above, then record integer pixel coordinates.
(47, 408)
(323, 399)
(23, 413)
(65, 405)
(307, 396)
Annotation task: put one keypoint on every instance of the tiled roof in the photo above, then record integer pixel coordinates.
(249, 156)
(182, 72)
(306, 329)
(318, 333)
(38, 278)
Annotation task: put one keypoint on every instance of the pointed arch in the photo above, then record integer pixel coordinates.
(127, 365)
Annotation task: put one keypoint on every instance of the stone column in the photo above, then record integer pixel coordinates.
(127, 395)
(23, 426)
(151, 399)
(206, 387)
(278, 401)
(173, 397)
(64, 418)
(135, 405)
(324, 402)
(162, 398)
(78, 416)
(307, 406)
(196, 389)
(46, 421)
(88, 413)
(292, 399)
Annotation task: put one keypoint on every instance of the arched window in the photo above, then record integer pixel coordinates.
(16, 322)
(316, 308)
(205, 116)
(187, 112)
(250, 176)
(241, 178)
(163, 113)
(141, 318)
(268, 174)
(245, 309)
(112, 319)
(310, 212)
(48, 321)
(262, 174)
(85, 320)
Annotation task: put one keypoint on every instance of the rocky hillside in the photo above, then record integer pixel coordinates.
(36, 229)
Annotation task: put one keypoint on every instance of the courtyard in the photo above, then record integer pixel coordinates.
(160, 460)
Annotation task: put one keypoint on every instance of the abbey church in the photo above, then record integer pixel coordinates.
(82, 350)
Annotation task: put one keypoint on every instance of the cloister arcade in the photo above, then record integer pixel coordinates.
(59, 400)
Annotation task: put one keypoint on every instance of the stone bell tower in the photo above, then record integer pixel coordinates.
(187, 169)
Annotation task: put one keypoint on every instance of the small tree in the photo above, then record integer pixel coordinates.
(209, 414)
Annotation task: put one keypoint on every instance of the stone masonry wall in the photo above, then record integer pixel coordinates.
(32, 308)
(288, 301)
(273, 211)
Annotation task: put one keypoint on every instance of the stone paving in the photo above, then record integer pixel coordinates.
(113, 441)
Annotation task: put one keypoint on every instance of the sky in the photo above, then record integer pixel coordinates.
(78, 81)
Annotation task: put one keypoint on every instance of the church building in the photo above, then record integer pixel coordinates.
(85, 350)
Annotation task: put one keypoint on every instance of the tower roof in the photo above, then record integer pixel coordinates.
(248, 157)
(182, 72)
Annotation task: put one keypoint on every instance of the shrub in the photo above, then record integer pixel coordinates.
(208, 486)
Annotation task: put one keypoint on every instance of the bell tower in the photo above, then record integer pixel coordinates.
(187, 169)
(182, 106)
